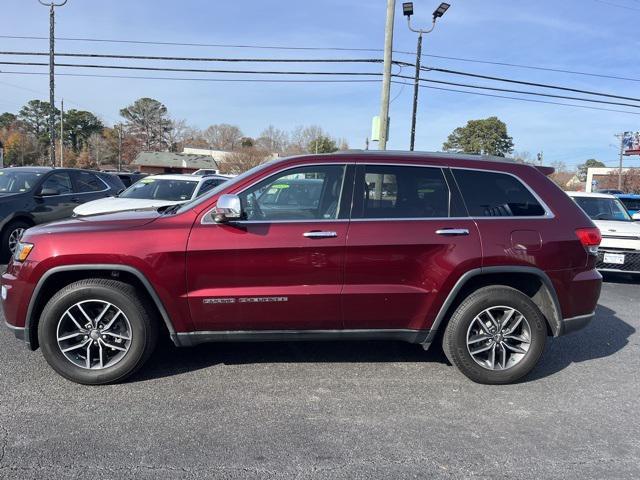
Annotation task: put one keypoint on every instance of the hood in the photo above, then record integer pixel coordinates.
(109, 221)
(114, 204)
(611, 228)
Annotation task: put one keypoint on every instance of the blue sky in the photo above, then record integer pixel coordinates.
(583, 35)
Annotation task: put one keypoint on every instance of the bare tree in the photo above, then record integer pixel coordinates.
(243, 159)
(177, 134)
(273, 140)
(223, 136)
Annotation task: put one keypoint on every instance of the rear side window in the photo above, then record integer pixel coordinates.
(88, 182)
(384, 191)
(490, 194)
(208, 185)
(59, 181)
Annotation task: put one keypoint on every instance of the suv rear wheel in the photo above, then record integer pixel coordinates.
(496, 335)
(96, 331)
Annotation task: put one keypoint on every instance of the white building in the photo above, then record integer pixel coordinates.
(598, 172)
(218, 155)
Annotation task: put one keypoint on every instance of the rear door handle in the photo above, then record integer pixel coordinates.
(320, 234)
(453, 231)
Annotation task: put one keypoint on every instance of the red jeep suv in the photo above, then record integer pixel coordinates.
(483, 255)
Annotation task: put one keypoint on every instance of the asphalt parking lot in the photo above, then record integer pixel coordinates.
(334, 410)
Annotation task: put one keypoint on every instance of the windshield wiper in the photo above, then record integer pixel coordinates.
(170, 209)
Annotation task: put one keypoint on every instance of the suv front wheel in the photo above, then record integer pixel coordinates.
(96, 331)
(496, 335)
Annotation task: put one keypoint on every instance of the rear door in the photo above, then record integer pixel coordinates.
(409, 241)
(282, 266)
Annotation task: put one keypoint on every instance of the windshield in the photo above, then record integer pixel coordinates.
(161, 189)
(603, 208)
(223, 186)
(15, 181)
(631, 203)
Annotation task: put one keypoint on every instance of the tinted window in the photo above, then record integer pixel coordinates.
(209, 184)
(603, 208)
(489, 194)
(60, 181)
(305, 193)
(88, 182)
(159, 189)
(401, 192)
(631, 203)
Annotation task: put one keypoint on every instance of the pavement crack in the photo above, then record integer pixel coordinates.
(4, 438)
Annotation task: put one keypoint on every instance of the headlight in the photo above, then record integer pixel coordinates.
(23, 249)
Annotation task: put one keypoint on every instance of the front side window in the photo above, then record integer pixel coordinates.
(384, 191)
(632, 204)
(492, 194)
(306, 193)
(161, 189)
(87, 182)
(602, 208)
(60, 182)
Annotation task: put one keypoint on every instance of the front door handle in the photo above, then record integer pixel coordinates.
(319, 234)
(452, 231)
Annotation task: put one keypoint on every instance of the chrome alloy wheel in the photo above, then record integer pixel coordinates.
(94, 334)
(14, 238)
(498, 338)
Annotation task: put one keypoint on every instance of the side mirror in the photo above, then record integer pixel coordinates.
(228, 208)
(636, 216)
(48, 192)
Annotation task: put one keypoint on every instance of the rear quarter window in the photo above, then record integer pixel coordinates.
(493, 194)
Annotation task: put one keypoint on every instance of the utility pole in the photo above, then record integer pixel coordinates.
(621, 136)
(52, 103)
(62, 133)
(386, 75)
(119, 147)
(407, 10)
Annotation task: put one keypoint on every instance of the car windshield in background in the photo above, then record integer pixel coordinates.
(16, 181)
(631, 203)
(157, 189)
(603, 208)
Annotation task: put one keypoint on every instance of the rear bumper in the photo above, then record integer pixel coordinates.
(18, 332)
(574, 324)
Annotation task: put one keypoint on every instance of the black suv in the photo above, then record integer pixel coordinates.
(33, 195)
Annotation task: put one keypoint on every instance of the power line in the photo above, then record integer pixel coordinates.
(192, 70)
(204, 59)
(532, 84)
(338, 49)
(528, 100)
(261, 80)
(618, 5)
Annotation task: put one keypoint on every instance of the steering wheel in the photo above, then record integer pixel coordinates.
(253, 207)
(601, 216)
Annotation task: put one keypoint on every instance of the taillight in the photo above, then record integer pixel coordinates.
(590, 239)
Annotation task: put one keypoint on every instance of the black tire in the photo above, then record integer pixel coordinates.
(144, 330)
(5, 250)
(454, 342)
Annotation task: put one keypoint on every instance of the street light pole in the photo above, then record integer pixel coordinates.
(52, 104)
(386, 75)
(408, 11)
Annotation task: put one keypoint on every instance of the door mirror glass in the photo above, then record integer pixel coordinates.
(636, 216)
(48, 192)
(228, 208)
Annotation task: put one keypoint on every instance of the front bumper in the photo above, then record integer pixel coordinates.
(631, 260)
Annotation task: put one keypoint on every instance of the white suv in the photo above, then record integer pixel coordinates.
(620, 247)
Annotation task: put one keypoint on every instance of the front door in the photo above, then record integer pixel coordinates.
(55, 198)
(281, 267)
(409, 239)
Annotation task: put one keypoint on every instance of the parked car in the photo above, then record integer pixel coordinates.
(486, 256)
(620, 248)
(631, 202)
(206, 171)
(610, 191)
(154, 191)
(34, 195)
